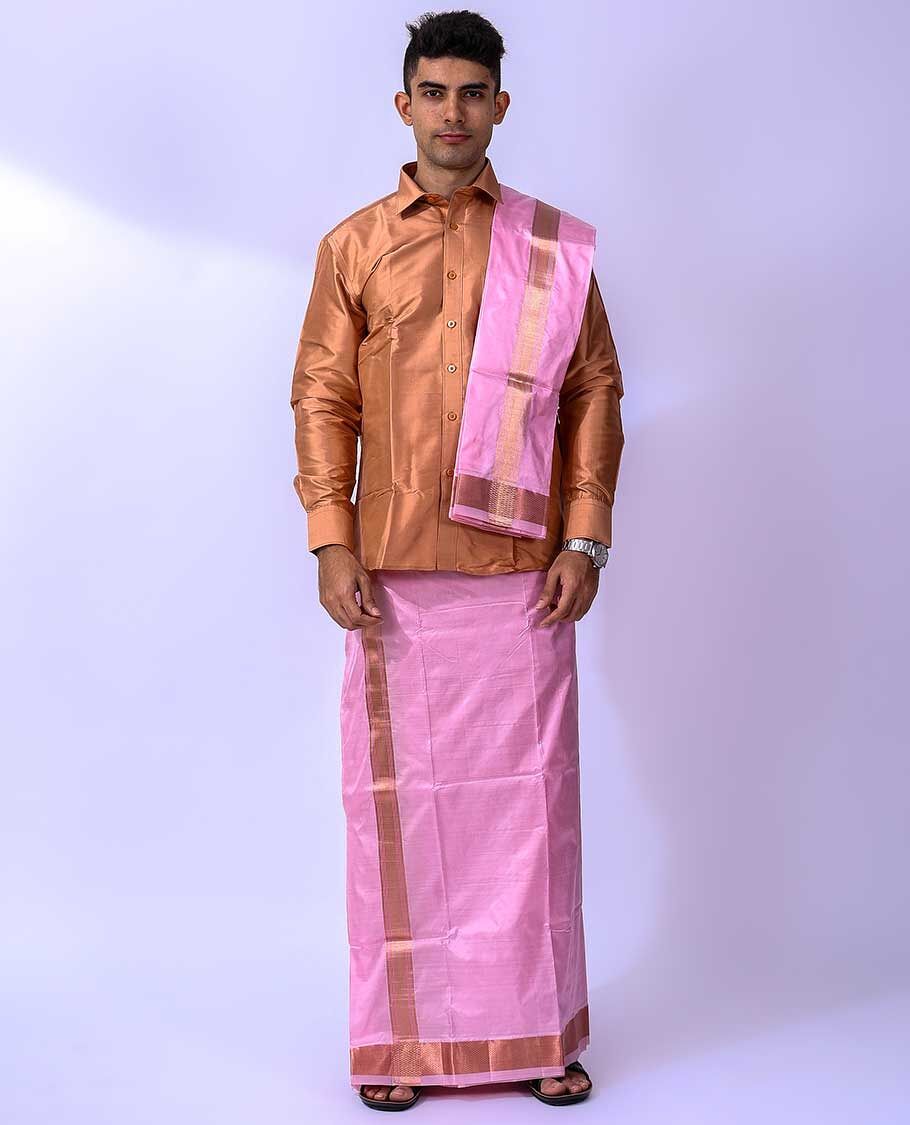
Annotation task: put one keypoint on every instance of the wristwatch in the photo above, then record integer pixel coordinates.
(599, 552)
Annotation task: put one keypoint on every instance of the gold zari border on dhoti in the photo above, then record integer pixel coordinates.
(416, 1058)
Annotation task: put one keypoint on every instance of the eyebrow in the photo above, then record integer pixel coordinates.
(442, 86)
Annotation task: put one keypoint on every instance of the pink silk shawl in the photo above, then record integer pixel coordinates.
(535, 290)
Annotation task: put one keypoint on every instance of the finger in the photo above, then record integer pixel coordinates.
(580, 605)
(558, 614)
(585, 606)
(332, 605)
(356, 618)
(548, 593)
(588, 596)
(367, 601)
(365, 620)
(564, 607)
(343, 607)
(338, 612)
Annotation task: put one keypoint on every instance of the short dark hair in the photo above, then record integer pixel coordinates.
(461, 35)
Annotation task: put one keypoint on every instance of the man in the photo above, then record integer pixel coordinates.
(459, 589)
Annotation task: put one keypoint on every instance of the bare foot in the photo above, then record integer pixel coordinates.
(571, 1083)
(389, 1093)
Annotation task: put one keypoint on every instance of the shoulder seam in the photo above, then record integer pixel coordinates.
(360, 211)
(345, 272)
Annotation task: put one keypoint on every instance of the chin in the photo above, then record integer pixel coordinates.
(459, 153)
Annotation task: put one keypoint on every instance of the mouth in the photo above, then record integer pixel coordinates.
(452, 138)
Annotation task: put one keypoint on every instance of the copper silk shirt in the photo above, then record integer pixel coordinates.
(383, 356)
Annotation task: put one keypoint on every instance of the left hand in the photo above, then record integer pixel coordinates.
(577, 578)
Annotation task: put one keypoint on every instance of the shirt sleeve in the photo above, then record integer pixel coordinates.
(327, 403)
(590, 426)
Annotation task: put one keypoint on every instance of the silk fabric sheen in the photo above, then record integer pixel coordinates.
(538, 276)
(460, 782)
(384, 324)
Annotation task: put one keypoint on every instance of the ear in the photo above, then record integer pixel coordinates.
(403, 105)
(502, 104)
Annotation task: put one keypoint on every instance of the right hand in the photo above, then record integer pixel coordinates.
(340, 578)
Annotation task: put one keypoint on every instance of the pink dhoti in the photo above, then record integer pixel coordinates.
(460, 784)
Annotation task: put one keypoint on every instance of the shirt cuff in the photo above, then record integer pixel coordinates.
(588, 519)
(330, 523)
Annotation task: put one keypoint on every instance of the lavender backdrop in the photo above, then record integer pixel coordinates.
(174, 945)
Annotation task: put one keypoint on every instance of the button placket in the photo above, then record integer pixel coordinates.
(453, 297)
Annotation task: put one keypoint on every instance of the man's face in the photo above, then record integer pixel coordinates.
(452, 110)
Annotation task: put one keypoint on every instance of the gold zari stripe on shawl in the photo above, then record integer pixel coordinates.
(475, 492)
(510, 440)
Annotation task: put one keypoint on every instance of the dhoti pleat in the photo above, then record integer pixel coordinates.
(460, 784)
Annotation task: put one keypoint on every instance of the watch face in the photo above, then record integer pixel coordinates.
(600, 553)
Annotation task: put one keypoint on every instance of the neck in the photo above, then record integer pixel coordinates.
(444, 181)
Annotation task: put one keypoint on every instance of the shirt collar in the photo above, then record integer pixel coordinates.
(409, 191)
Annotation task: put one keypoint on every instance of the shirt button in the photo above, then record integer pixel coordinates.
(454, 226)
(451, 367)
(450, 472)
(452, 274)
(451, 416)
(450, 323)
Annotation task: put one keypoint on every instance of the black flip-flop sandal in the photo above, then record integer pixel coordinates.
(562, 1099)
(374, 1103)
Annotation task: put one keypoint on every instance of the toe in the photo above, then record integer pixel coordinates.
(401, 1094)
(552, 1087)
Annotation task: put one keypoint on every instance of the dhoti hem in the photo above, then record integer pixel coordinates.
(471, 1062)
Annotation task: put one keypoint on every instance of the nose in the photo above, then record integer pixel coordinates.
(454, 114)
